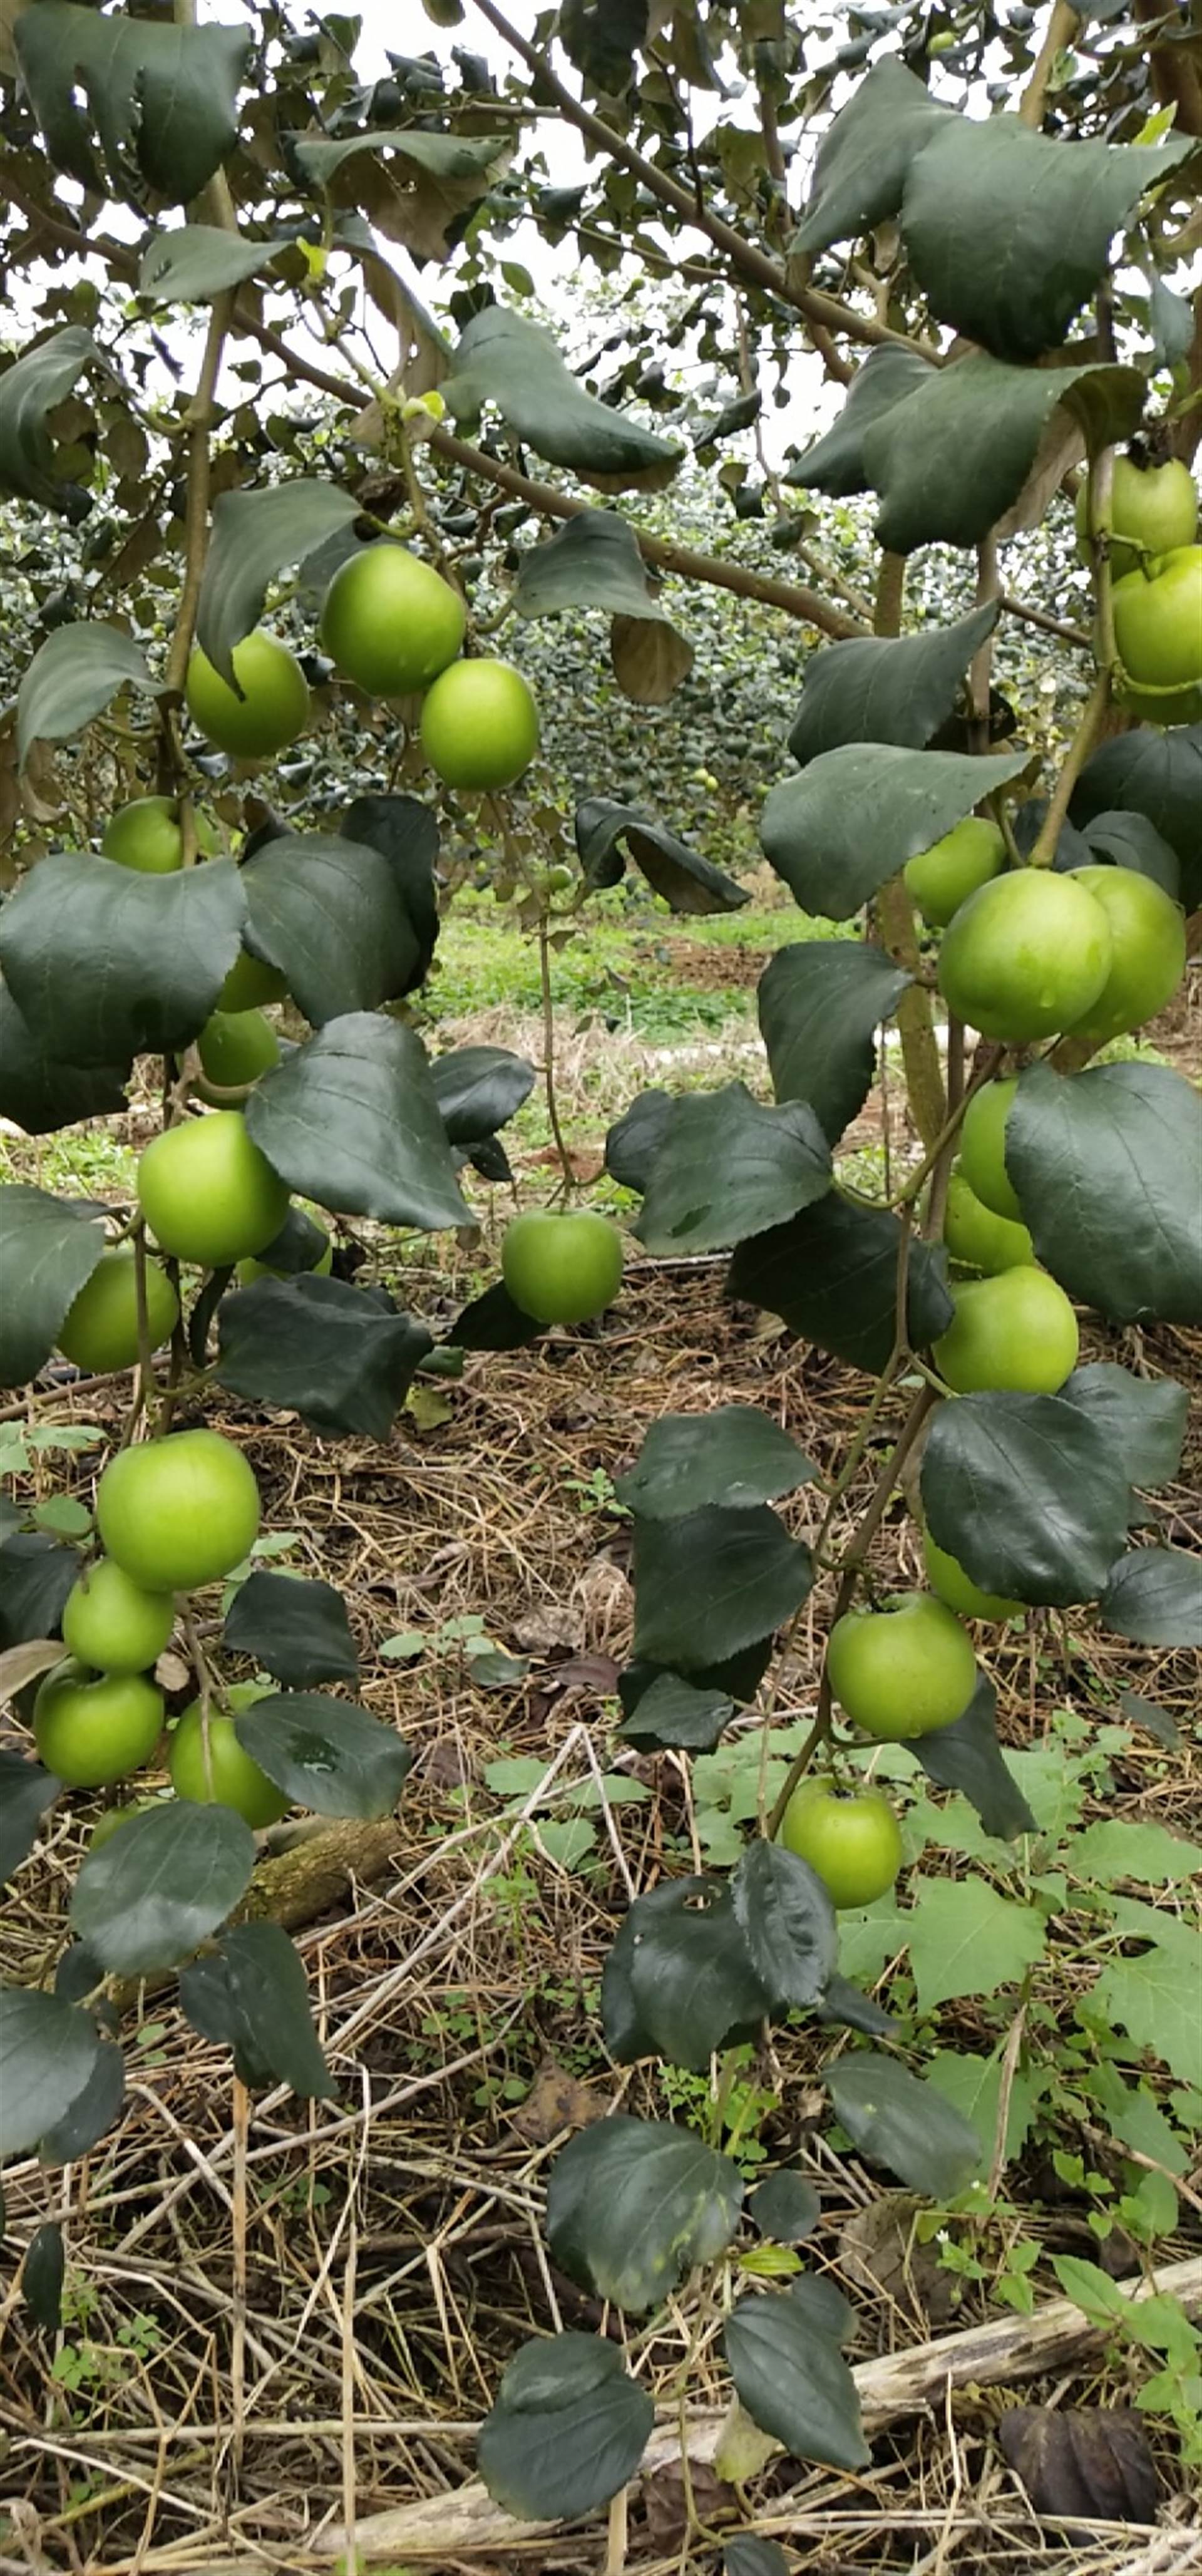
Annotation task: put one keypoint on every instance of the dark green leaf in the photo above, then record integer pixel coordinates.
(593, 561)
(742, 413)
(835, 463)
(794, 2381)
(492, 1322)
(860, 170)
(1129, 841)
(568, 2429)
(1146, 1713)
(48, 1248)
(295, 1627)
(297, 1248)
(114, 964)
(152, 1893)
(1008, 232)
(407, 833)
(255, 534)
(728, 1168)
(35, 1577)
(30, 388)
(1172, 320)
(515, 364)
(1027, 1494)
(787, 1921)
(42, 2275)
(341, 1357)
(163, 95)
(330, 1755)
(254, 1998)
(847, 2007)
(1154, 773)
(678, 1980)
(872, 689)
(786, 2207)
(673, 1711)
(478, 1089)
(689, 883)
(635, 1139)
(738, 1676)
(1142, 1418)
(733, 1455)
(897, 2120)
(48, 2048)
(967, 1756)
(1155, 1596)
(441, 175)
(93, 2112)
(951, 459)
(351, 1120)
(332, 916)
(712, 1582)
(1108, 1166)
(25, 1793)
(198, 261)
(633, 2204)
(832, 1277)
(747, 2556)
(41, 1095)
(819, 1004)
(73, 675)
(602, 37)
(840, 828)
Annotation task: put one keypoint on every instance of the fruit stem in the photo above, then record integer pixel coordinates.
(544, 968)
(1075, 758)
(144, 1379)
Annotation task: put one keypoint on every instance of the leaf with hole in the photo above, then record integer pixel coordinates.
(29, 389)
(1108, 1167)
(48, 2048)
(352, 1120)
(887, 689)
(688, 882)
(163, 96)
(819, 1005)
(679, 1981)
(113, 964)
(787, 1921)
(440, 176)
(897, 2120)
(1027, 1494)
(330, 914)
(49, 1248)
(343, 1358)
(843, 826)
(831, 1275)
(158, 1888)
(73, 676)
(714, 1581)
(252, 1996)
(515, 364)
(255, 535)
(733, 1455)
(634, 2204)
(567, 2431)
(295, 1626)
(1154, 1595)
(329, 1755)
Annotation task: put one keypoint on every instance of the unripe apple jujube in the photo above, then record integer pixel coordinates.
(903, 1671)
(147, 836)
(100, 1329)
(112, 1624)
(228, 1777)
(207, 1193)
(1016, 1331)
(983, 1148)
(1026, 956)
(178, 1512)
(479, 724)
(1148, 931)
(853, 1844)
(1153, 507)
(390, 622)
(91, 1728)
(956, 1589)
(562, 1269)
(274, 706)
(1158, 621)
(943, 877)
(975, 1236)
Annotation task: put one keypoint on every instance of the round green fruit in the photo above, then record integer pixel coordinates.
(1158, 621)
(111, 1821)
(983, 1148)
(561, 1269)
(978, 1238)
(904, 1671)
(100, 1329)
(146, 835)
(91, 1728)
(1154, 507)
(1016, 1331)
(235, 1047)
(479, 725)
(853, 1844)
(956, 1589)
(249, 984)
(944, 876)
(1025, 956)
(178, 1512)
(229, 1778)
(111, 1624)
(390, 622)
(1148, 931)
(207, 1193)
(1163, 706)
(274, 706)
(248, 1271)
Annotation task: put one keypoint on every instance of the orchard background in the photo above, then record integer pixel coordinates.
(469, 2096)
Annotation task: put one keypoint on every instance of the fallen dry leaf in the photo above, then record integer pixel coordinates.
(1083, 2463)
(556, 2100)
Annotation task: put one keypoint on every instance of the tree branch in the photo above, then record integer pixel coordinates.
(1059, 32)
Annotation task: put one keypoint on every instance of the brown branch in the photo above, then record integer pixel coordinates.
(1059, 32)
(898, 931)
